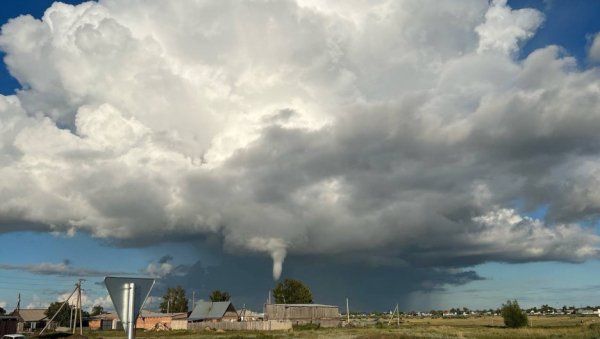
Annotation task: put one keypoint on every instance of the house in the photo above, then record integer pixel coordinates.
(8, 325)
(298, 314)
(30, 319)
(213, 311)
(106, 321)
(147, 320)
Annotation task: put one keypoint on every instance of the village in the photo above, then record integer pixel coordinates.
(220, 314)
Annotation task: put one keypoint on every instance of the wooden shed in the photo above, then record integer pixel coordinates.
(298, 314)
(8, 325)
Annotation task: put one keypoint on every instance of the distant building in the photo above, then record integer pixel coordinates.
(213, 311)
(30, 319)
(147, 320)
(107, 321)
(249, 315)
(299, 314)
(587, 311)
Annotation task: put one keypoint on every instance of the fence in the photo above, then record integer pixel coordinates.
(179, 324)
(298, 314)
(269, 325)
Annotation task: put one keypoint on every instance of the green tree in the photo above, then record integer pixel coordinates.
(219, 296)
(292, 291)
(513, 315)
(97, 310)
(174, 300)
(62, 318)
(2, 311)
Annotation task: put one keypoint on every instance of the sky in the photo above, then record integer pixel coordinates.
(430, 154)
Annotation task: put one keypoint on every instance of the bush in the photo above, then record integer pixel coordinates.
(306, 327)
(513, 315)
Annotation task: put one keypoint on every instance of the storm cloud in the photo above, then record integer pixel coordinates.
(393, 133)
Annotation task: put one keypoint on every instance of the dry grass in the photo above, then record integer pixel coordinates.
(482, 327)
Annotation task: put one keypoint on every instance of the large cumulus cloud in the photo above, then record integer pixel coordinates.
(389, 132)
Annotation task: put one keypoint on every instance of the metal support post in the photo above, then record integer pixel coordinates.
(130, 312)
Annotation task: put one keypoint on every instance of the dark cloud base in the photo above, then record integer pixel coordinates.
(248, 279)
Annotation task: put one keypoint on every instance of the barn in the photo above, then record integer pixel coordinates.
(299, 314)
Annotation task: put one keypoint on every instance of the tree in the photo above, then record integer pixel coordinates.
(219, 296)
(97, 310)
(2, 311)
(174, 301)
(513, 315)
(62, 318)
(292, 291)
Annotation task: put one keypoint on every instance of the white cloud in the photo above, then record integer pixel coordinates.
(594, 53)
(103, 301)
(504, 29)
(504, 230)
(87, 301)
(289, 129)
(37, 302)
(161, 268)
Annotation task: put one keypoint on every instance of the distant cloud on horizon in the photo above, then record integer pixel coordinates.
(60, 269)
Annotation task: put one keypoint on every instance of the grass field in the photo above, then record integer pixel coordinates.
(480, 327)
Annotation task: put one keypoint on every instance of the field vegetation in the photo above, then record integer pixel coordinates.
(568, 326)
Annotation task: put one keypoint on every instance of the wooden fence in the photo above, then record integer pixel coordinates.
(269, 325)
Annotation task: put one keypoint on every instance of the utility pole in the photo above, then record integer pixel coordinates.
(60, 308)
(71, 318)
(80, 310)
(77, 309)
(393, 313)
(347, 311)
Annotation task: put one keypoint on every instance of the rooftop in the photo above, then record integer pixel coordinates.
(206, 310)
(32, 314)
